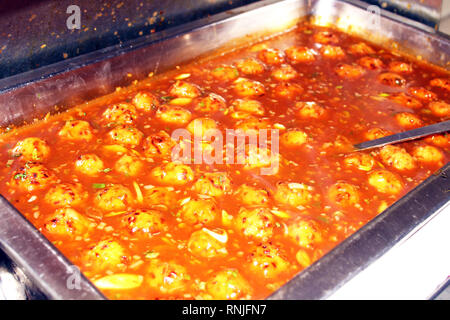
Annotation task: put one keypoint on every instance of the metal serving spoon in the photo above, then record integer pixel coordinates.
(405, 136)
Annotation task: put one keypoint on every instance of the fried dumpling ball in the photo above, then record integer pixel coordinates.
(31, 149)
(371, 63)
(310, 110)
(105, 255)
(271, 56)
(76, 130)
(126, 135)
(202, 127)
(251, 196)
(255, 222)
(439, 140)
(441, 83)
(360, 48)
(158, 144)
(183, 89)
(172, 173)
(284, 73)
(344, 194)
(288, 90)
(146, 101)
(332, 52)
(166, 276)
(67, 222)
(113, 197)
(210, 103)
(294, 138)
(397, 158)
(247, 88)
(248, 106)
(391, 79)
(385, 181)
(228, 284)
(145, 221)
(294, 194)
(348, 71)
(207, 243)
(89, 164)
(305, 232)
(250, 66)
(300, 54)
(400, 67)
(199, 211)
(214, 184)
(121, 113)
(422, 93)
(32, 176)
(129, 165)
(406, 100)
(376, 133)
(439, 108)
(173, 115)
(361, 161)
(260, 157)
(326, 37)
(428, 154)
(66, 194)
(408, 120)
(267, 260)
(225, 73)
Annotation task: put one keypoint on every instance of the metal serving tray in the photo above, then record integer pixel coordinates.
(31, 95)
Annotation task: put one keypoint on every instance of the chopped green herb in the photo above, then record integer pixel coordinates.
(98, 185)
(167, 98)
(323, 219)
(150, 254)
(383, 94)
(218, 69)
(107, 170)
(21, 176)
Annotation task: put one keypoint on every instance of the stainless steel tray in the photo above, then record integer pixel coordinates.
(35, 93)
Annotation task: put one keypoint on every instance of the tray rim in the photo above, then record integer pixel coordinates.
(113, 51)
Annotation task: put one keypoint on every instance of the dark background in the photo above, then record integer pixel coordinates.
(34, 33)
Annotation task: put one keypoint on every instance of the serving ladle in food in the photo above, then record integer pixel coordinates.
(408, 135)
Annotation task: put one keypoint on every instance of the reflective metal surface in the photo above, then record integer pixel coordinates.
(427, 12)
(408, 135)
(35, 33)
(14, 285)
(65, 84)
(43, 264)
